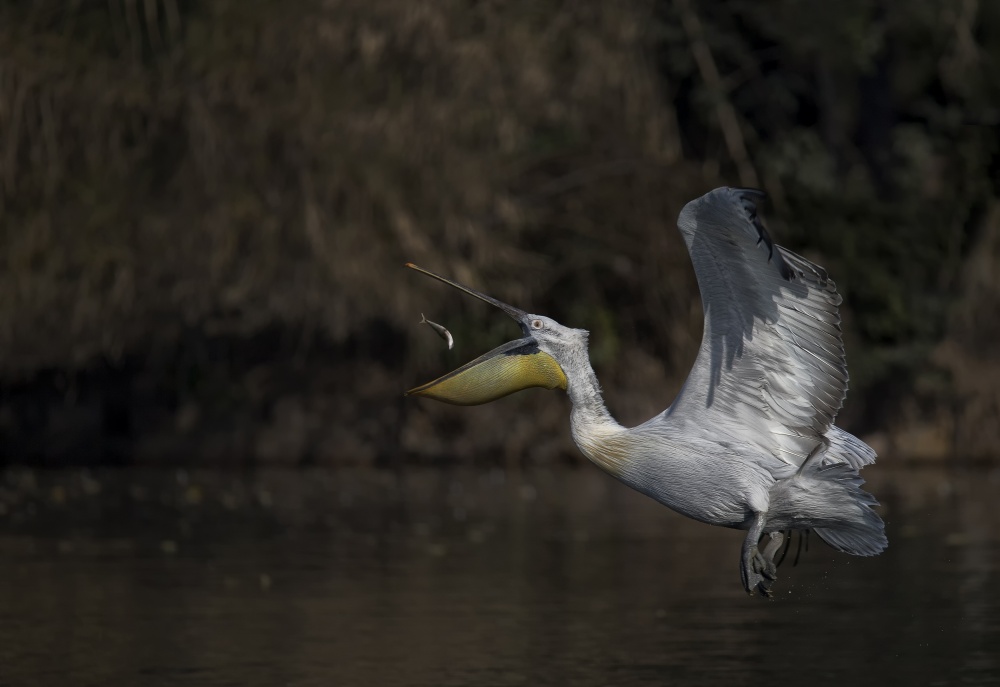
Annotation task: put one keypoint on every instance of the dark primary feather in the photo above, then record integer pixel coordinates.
(746, 196)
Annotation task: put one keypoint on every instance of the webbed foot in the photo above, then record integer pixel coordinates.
(757, 568)
(772, 547)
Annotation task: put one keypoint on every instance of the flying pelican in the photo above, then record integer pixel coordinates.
(749, 442)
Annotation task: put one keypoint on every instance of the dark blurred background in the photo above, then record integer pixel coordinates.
(205, 211)
(205, 208)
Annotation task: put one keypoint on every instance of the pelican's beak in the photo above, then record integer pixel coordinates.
(514, 366)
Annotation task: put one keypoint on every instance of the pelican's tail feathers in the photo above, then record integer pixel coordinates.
(856, 528)
(828, 498)
(844, 447)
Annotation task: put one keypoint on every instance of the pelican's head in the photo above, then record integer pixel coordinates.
(526, 362)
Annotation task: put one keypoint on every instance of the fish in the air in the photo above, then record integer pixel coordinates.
(442, 332)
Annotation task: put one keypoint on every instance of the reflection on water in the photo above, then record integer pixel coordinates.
(459, 578)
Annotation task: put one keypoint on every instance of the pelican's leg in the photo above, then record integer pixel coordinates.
(757, 570)
(772, 546)
(784, 551)
(769, 568)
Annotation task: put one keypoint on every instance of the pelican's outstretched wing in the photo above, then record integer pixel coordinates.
(771, 369)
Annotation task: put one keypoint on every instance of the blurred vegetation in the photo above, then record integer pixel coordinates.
(205, 208)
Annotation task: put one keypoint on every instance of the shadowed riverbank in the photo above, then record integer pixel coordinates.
(205, 209)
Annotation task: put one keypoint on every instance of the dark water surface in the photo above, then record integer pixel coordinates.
(462, 578)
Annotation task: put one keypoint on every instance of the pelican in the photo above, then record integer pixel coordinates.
(749, 442)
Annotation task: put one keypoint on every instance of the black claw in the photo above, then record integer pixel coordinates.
(803, 536)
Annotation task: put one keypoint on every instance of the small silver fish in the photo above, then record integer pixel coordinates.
(442, 332)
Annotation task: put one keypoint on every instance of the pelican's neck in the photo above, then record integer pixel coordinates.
(594, 430)
(588, 403)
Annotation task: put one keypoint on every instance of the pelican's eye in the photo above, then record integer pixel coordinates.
(537, 324)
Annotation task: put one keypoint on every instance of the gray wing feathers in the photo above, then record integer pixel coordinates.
(771, 368)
